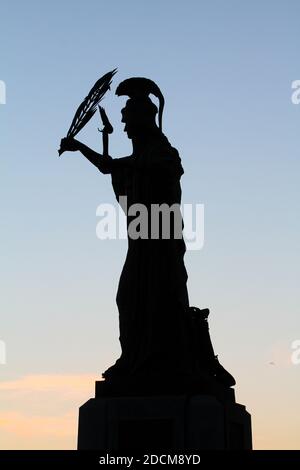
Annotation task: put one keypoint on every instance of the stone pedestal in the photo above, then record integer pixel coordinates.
(163, 424)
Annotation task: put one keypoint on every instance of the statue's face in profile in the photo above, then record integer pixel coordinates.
(134, 128)
(139, 118)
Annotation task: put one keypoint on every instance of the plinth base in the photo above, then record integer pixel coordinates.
(163, 424)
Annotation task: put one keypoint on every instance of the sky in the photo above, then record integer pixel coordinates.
(226, 71)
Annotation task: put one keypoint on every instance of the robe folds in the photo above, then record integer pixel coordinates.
(152, 295)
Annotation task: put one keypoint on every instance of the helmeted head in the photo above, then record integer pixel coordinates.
(140, 112)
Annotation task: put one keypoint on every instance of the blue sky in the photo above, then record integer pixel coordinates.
(226, 70)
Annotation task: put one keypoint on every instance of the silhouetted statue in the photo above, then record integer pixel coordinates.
(160, 335)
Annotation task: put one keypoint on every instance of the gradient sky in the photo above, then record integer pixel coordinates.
(226, 70)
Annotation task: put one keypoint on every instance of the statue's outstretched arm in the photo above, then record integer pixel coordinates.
(101, 162)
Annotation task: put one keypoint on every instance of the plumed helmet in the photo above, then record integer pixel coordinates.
(139, 88)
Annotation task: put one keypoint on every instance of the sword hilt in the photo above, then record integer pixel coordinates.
(107, 129)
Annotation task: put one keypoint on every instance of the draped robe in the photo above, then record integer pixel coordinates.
(152, 295)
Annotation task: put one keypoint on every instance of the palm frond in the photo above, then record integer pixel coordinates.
(88, 107)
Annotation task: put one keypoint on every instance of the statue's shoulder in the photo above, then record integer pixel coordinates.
(162, 146)
(167, 157)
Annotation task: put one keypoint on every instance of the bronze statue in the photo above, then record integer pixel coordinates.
(161, 336)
